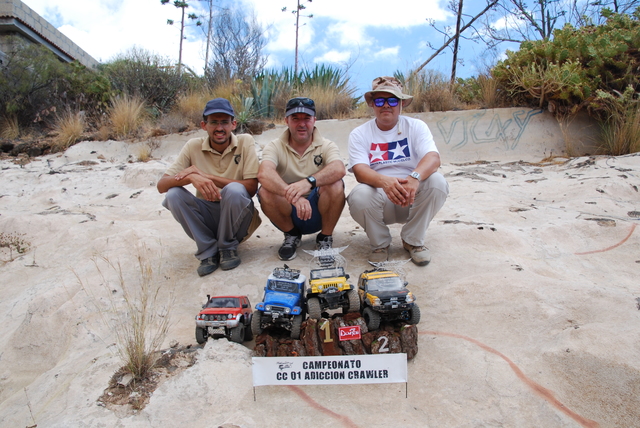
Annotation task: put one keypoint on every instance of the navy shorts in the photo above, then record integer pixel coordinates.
(314, 224)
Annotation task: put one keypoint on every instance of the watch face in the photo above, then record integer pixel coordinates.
(415, 175)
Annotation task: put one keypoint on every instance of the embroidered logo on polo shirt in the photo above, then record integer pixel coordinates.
(386, 153)
(317, 159)
(237, 158)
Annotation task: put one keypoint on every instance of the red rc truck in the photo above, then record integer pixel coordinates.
(224, 316)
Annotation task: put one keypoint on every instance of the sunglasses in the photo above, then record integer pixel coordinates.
(300, 102)
(392, 101)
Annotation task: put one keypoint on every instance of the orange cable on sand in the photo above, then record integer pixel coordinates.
(537, 388)
(633, 227)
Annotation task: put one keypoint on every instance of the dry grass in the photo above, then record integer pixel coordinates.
(190, 106)
(127, 114)
(431, 91)
(621, 133)
(331, 103)
(9, 128)
(143, 152)
(69, 128)
(488, 90)
(141, 319)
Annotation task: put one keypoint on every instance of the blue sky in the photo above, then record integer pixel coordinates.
(370, 37)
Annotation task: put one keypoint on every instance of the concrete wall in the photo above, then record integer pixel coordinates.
(492, 134)
(16, 18)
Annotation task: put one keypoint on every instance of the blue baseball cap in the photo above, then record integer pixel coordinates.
(218, 105)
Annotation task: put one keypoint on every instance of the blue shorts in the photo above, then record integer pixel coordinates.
(314, 224)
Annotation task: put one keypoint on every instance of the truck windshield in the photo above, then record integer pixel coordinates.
(327, 273)
(382, 284)
(223, 302)
(286, 287)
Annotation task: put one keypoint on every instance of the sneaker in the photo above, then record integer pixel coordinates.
(229, 259)
(208, 265)
(325, 244)
(419, 254)
(379, 255)
(288, 249)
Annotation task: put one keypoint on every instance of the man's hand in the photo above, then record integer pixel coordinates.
(411, 186)
(395, 190)
(303, 209)
(294, 191)
(206, 187)
(185, 172)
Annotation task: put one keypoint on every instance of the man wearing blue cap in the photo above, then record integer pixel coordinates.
(223, 168)
(301, 187)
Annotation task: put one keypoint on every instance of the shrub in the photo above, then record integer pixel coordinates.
(127, 115)
(431, 91)
(621, 122)
(69, 128)
(150, 77)
(9, 128)
(141, 320)
(14, 242)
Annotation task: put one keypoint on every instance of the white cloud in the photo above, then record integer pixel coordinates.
(334, 56)
(387, 52)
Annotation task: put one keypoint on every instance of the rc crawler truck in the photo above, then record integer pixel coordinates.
(224, 316)
(329, 289)
(385, 297)
(283, 302)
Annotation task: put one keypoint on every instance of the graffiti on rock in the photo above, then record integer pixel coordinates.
(477, 129)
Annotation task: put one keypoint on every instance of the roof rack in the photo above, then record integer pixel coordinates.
(286, 273)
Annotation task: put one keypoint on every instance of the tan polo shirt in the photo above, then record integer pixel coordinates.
(239, 161)
(291, 166)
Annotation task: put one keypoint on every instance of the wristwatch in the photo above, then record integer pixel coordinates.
(415, 175)
(311, 179)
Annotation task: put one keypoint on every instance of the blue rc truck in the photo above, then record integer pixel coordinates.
(283, 303)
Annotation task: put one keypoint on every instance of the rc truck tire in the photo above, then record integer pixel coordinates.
(295, 327)
(372, 318)
(414, 315)
(237, 333)
(256, 321)
(313, 306)
(354, 300)
(201, 335)
(248, 333)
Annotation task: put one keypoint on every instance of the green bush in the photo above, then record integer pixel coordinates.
(34, 84)
(153, 78)
(569, 69)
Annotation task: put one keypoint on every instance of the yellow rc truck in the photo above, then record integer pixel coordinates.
(329, 289)
(385, 298)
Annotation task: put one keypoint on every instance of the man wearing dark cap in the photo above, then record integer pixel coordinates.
(223, 168)
(301, 187)
(395, 160)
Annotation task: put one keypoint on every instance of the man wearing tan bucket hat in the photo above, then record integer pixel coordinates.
(395, 161)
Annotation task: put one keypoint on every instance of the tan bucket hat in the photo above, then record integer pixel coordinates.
(387, 84)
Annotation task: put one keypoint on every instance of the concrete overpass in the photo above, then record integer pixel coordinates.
(18, 19)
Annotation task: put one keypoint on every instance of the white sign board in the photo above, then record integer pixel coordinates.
(330, 370)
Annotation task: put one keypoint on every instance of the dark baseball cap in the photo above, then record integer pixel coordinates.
(300, 105)
(218, 105)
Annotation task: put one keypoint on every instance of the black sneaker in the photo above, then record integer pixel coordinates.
(208, 265)
(288, 249)
(229, 259)
(325, 244)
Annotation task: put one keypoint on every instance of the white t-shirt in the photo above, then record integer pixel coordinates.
(388, 152)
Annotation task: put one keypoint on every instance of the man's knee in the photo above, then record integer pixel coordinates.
(175, 196)
(362, 195)
(436, 181)
(334, 191)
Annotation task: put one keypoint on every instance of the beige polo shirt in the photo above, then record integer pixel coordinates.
(239, 161)
(291, 166)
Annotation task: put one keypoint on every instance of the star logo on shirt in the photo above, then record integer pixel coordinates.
(376, 153)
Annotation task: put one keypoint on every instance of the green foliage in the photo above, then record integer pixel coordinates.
(620, 121)
(151, 77)
(568, 70)
(35, 84)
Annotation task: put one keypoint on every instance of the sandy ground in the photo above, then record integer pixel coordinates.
(530, 307)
